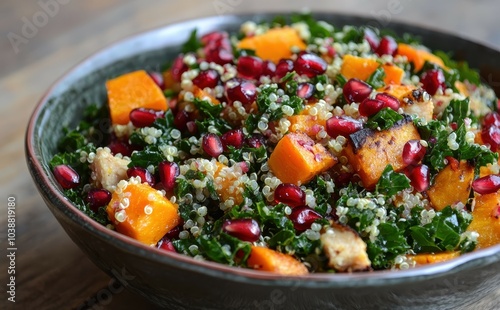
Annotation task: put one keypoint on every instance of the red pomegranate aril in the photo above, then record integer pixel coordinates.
(355, 90)
(192, 127)
(167, 245)
(290, 194)
(310, 65)
(213, 36)
(234, 138)
(243, 91)
(98, 197)
(486, 185)
(283, 67)
(244, 166)
(66, 176)
(433, 80)
(174, 232)
(419, 177)
(369, 107)
(178, 68)
(143, 173)
(342, 125)
(388, 100)
(491, 119)
(387, 46)
(219, 56)
(413, 152)
(250, 67)
(158, 78)
(168, 171)
(243, 229)
(491, 136)
(255, 141)
(268, 68)
(372, 38)
(212, 145)
(120, 147)
(180, 120)
(208, 78)
(305, 90)
(142, 117)
(303, 217)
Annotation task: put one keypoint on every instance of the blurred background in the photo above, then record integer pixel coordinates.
(42, 39)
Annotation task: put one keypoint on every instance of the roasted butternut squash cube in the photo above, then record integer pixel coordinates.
(130, 91)
(274, 44)
(431, 258)
(308, 124)
(265, 259)
(362, 68)
(297, 159)
(393, 74)
(369, 151)
(418, 56)
(227, 183)
(486, 219)
(451, 185)
(141, 212)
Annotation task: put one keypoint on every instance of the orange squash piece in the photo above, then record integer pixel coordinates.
(431, 258)
(369, 151)
(486, 219)
(148, 216)
(297, 159)
(418, 56)
(308, 124)
(361, 68)
(227, 185)
(274, 44)
(130, 91)
(451, 185)
(265, 259)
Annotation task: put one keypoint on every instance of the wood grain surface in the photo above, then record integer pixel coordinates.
(51, 272)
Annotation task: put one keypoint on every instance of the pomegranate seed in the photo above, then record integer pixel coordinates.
(174, 232)
(486, 185)
(66, 176)
(143, 173)
(167, 245)
(491, 137)
(255, 141)
(453, 163)
(372, 38)
(219, 56)
(491, 119)
(388, 100)
(169, 171)
(178, 68)
(120, 147)
(310, 65)
(330, 51)
(369, 107)
(432, 81)
(158, 78)
(244, 166)
(142, 117)
(387, 46)
(234, 138)
(212, 145)
(305, 90)
(243, 229)
(208, 78)
(192, 127)
(419, 177)
(211, 37)
(243, 91)
(413, 152)
(268, 68)
(355, 90)
(98, 197)
(181, 119)
(283, 67)
(250, 67)
(290, 194)
(303, 218)
(342, 125)
(216, 40)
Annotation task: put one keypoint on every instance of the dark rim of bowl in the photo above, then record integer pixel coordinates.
(49, 188)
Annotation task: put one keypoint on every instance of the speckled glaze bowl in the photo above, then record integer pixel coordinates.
(178, 282)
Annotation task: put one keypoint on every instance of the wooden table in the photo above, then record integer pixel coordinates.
(51, 272)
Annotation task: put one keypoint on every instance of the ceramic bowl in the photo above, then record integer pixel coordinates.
(175, 281)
